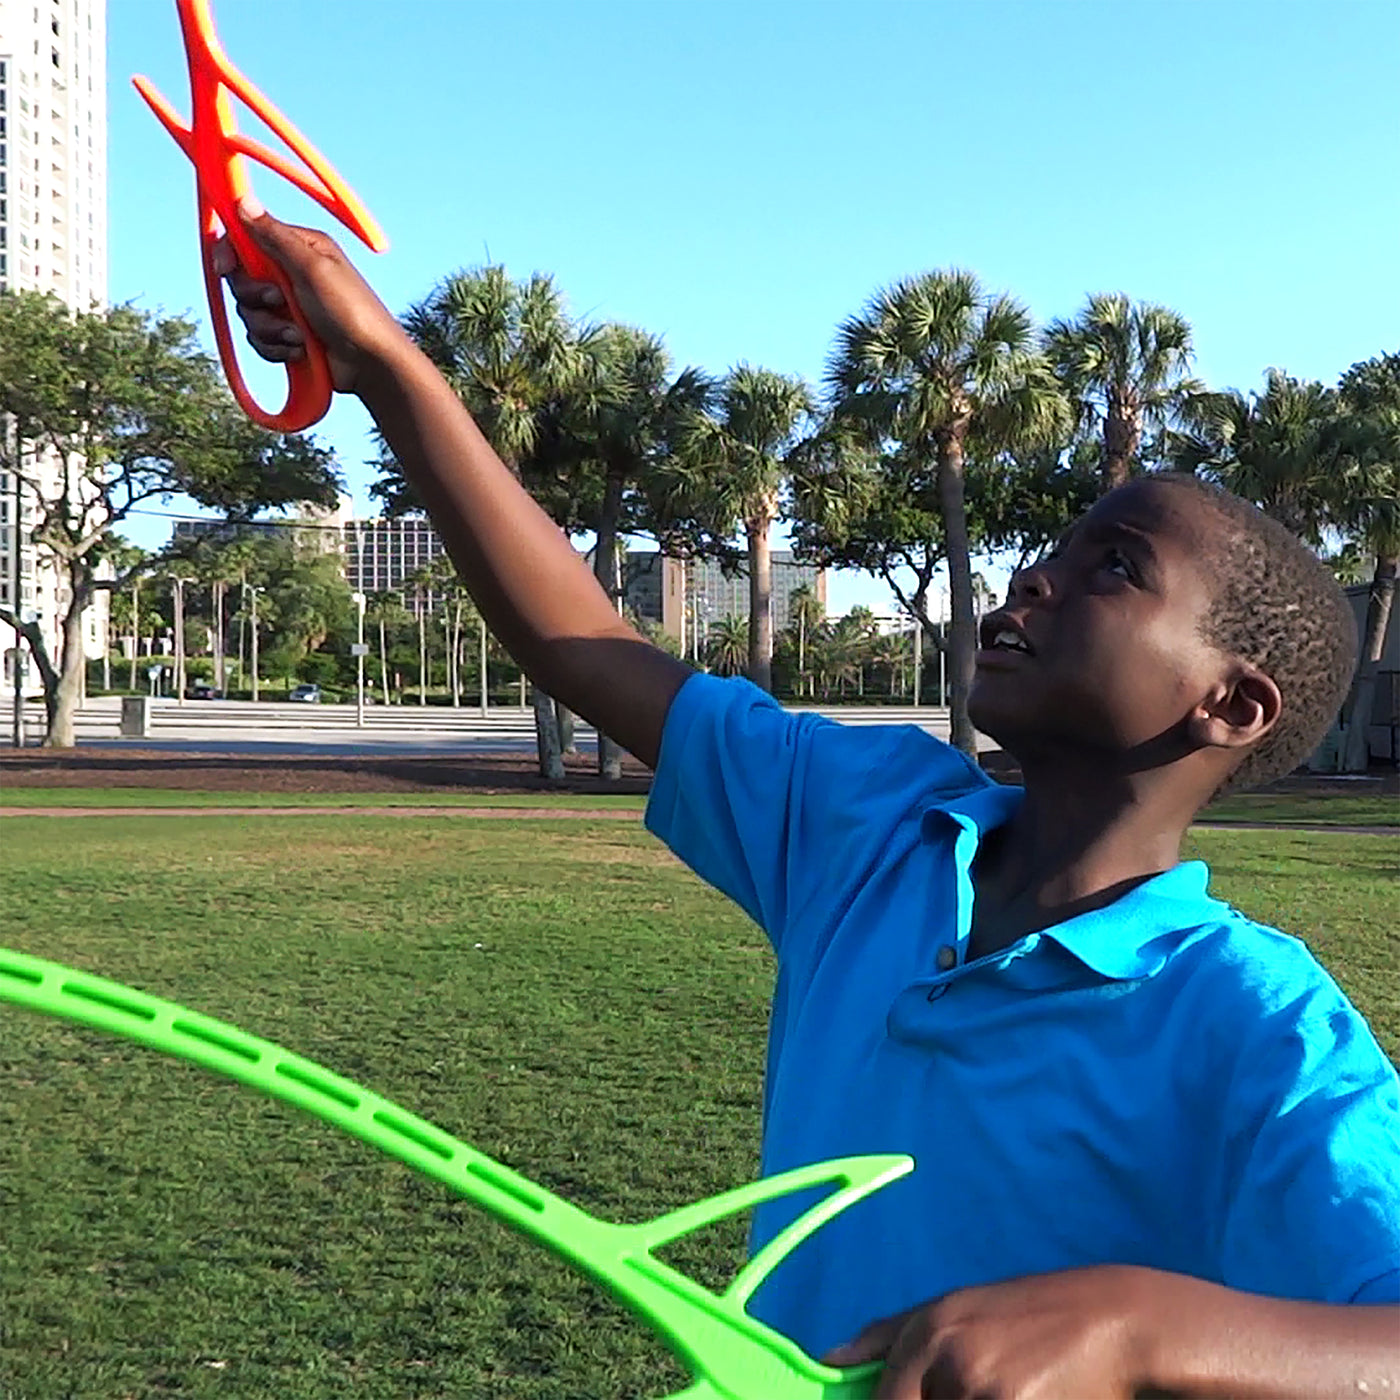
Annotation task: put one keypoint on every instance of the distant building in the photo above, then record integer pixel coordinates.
(382, 555)
(53, 238)
(666, 590)
(313, 528)
(379, 556)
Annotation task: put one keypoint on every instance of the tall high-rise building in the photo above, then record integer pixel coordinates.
(686, 598)
(53, 238)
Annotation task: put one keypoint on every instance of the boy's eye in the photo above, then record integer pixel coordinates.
(1116, 558)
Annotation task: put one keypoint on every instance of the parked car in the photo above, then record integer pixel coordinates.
(307, 694)
(202, 690)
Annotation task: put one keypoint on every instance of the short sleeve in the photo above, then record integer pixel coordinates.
(1315, 1209)
(774, 808)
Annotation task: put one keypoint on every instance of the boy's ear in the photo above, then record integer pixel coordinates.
(1239, 711)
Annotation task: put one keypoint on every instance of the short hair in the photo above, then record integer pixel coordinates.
(1276, 605)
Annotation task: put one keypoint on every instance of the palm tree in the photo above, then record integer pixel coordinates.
(1279, 449)
(807, 614)
(382, 608)
(509, 350)
(1126, 366)
(738, 457)
(617, 417)
(728, 648)
(935, 363)
(1368, 506)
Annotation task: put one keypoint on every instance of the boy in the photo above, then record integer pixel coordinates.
(1156, 1147)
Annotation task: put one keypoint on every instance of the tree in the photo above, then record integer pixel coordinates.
(1026, 500)
(807, 616)
(604, 436)
(735, 459)
(125, 408)
(509, 351)
(728, 648)
(1368, 505)
(932, 368)
(122, 559)
(1280, 449)
(1126, 365)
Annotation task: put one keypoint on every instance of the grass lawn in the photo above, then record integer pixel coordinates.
(169, 1232)
(1308, 809)
(1332, 809)
(180, 797)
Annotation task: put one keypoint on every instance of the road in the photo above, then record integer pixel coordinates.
(240, 727)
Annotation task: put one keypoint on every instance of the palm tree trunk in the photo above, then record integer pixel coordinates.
(760, 599)
(135, 632)
(605, 571)
(1357, 757)
(963, 641)
(218, 587)
(422, 656)
(383, 661)
(1120, 443)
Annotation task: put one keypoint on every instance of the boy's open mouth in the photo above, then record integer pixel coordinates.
(1002, 636)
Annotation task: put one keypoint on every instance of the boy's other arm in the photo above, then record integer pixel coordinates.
(1128, 1331)
(536, 594)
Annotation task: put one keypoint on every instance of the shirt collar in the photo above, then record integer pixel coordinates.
(1130, 938)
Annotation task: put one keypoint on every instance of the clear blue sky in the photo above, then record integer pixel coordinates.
(739, 176)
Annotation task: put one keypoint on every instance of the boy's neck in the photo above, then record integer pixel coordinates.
(1076, 844)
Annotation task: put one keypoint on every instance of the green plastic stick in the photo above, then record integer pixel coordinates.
(731, 1355)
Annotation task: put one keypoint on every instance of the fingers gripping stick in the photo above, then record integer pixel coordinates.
(213, 143)
(731, 1355)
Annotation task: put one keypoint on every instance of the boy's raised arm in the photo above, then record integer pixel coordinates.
(536, 594)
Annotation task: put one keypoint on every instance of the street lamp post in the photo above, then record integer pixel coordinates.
(360, 662)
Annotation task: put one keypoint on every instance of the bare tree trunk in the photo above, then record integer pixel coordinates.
(63, 691)
(760, 598)
(548, 748)
(605, 570)
(962, 645)
(1357, 755)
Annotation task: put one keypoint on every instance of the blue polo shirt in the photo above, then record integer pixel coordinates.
(1161, 1082)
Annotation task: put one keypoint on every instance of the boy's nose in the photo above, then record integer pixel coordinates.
(1032, 582)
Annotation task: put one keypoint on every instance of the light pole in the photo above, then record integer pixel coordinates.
(18, 657)
(360, 662)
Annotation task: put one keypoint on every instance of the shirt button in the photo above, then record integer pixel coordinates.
(947, 957)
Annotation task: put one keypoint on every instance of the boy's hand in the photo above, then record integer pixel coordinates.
(1075, 1333)
(351, 322)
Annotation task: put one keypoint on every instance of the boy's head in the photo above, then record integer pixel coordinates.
(1175, 627)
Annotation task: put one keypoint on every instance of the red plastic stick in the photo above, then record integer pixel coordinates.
(213, 143)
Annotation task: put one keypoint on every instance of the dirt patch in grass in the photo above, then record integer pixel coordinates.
(196, 772)
(497, 774)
